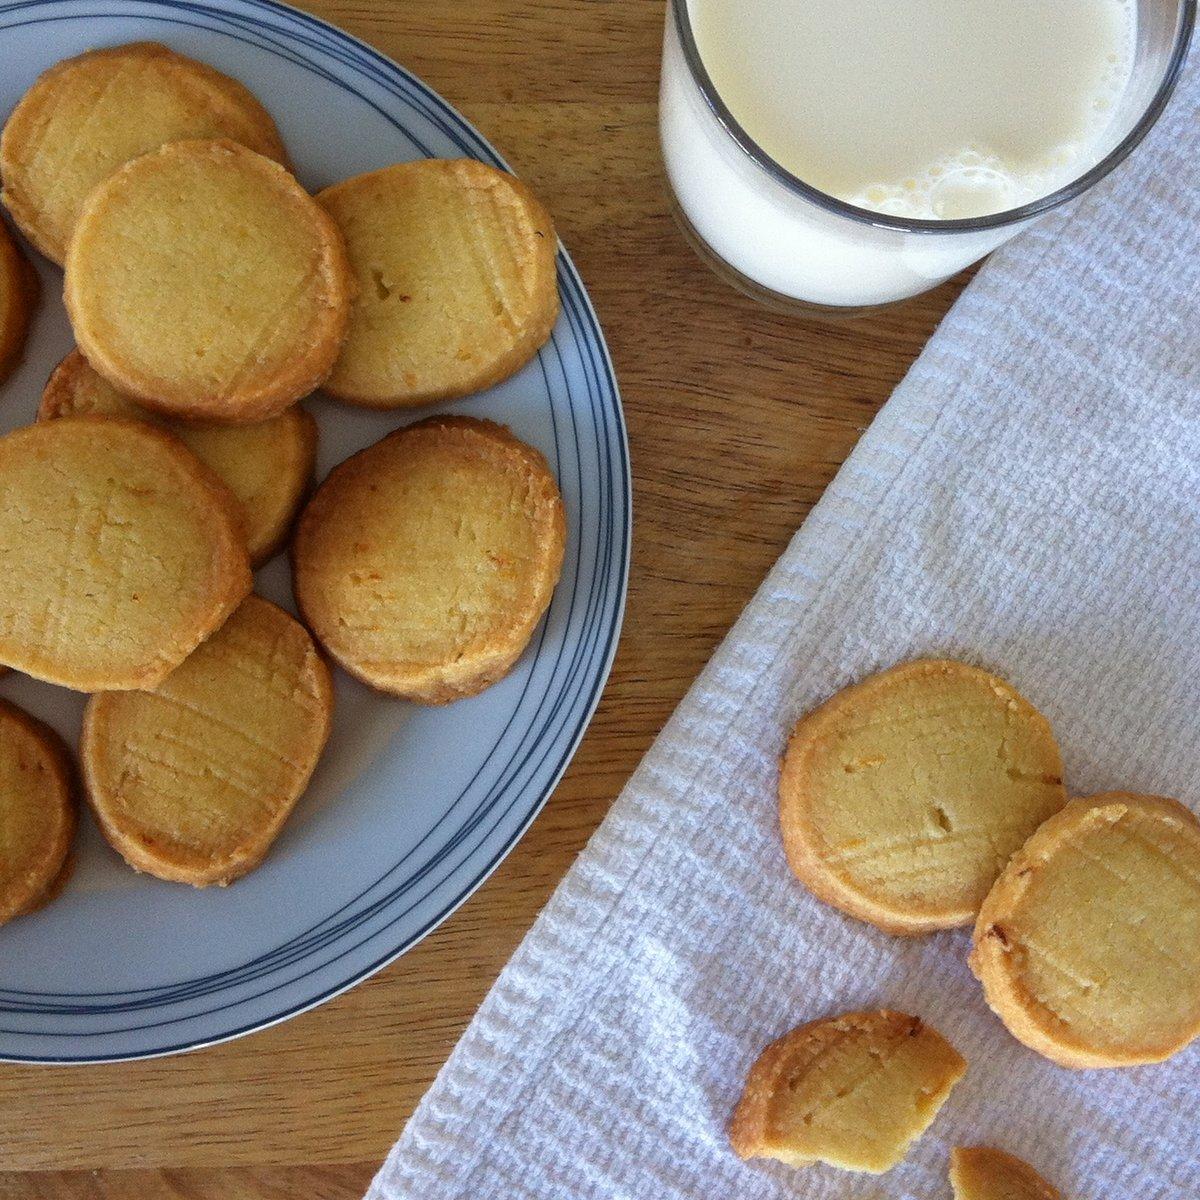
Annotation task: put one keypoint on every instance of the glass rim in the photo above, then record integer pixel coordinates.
(992, 221)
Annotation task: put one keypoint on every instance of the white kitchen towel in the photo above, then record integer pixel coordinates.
(1029, 500)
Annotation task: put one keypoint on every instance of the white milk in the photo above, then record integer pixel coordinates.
(925, 109)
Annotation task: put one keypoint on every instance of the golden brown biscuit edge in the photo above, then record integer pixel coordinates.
(972, 1165)
(750, 1132)
(59, 859)
(23, 292)
(991, 945)
(456, 681)
(800, 837)
(499, 367)
(228, 570)
(175, 862)
(301, 374)
(25, 210)
(267, 528)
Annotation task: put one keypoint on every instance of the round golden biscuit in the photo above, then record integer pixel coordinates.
(120, 553)
(455, 266)
(203, 281)
(193, 781)
(86, 116)
(18, 298)
(267, 466)
(1088, 946)
(424, 563)
(902, 797)
(853, 1091)
(982, 1173)
(37, 812)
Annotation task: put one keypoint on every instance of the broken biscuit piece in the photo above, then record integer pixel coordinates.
(983, 1173)
(853, 1091)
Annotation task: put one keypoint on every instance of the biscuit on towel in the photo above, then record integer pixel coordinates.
(193, 780)
(424, 563)
(86, 116)
(267, 466)
(120, 553)
(203, 281)
(903, 796)
(455, 266)
(1088, 945)
(982, 1173)
(18, 298)
(37, 812)
(853, 1091)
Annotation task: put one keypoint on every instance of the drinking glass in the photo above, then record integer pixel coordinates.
(794, 247)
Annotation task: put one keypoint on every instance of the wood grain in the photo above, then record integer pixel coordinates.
(738, 419)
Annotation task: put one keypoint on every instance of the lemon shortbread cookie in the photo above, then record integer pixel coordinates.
(193, 781)
(120, 553)
(981, 1173)
(86, 116)
(902, 797)
(853, 1091)
(37, 812)
(454, 262)
(203, 281)
(1088, 946)
(18, 298)
(268, 466)
(424, 562)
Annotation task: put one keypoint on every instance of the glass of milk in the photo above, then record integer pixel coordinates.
(850, 153)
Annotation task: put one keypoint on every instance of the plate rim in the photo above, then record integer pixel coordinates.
(621, 506)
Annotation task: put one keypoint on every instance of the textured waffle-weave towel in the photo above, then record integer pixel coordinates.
(1029, 499)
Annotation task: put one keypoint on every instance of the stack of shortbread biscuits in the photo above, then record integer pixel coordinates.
(209, 293)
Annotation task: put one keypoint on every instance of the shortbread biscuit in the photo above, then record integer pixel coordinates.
(424, 563)
(1088, 946)
(37, 812)
(86, 116)
(193, 781)
(267, 466)
(120, 553)
(902, 797)
(18, 298)
(981, 1173)
(203, 281)
(455, 268)
(853, 1091)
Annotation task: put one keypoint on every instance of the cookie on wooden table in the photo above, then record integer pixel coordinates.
(903, 796)
(86, 116)
(37, 812)
(1088, 946)
(983, 1173)
(18, 298)
(455, 266)
(268, 466)
(120, 553)
(424, 563)
(853, 1091)
(193, 780)
(203, 281)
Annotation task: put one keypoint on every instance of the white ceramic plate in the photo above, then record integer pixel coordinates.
(411, 808)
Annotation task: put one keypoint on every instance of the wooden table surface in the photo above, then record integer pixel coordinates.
(738, 419)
